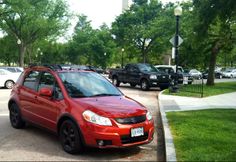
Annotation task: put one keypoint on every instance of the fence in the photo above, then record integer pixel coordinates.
(195, 87)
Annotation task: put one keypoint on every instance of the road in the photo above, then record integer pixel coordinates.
(33, 144)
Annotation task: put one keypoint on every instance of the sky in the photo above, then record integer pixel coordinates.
(98, 11)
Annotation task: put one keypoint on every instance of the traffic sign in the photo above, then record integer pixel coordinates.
(172, 41)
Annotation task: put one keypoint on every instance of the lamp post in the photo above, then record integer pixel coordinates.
(105, 59)
(178, 13)
(19, 46)
(122, 57)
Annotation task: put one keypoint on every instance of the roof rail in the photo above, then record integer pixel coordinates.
(52, 67)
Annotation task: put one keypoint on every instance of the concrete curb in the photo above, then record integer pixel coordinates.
(169, 143)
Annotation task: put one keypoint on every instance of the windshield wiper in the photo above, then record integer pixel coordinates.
(104, 94)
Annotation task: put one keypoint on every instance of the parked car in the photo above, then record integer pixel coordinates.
(218, 74)
(145, 75)
(96, 69)
(82, 107)
(230, 73)
(83, 67)
(170, 69)
(12, 69)
(7, 78)
(194, 73)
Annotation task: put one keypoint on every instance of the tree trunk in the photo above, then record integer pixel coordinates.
(29, 51)
(211, 74)
(22, 49)
(144, 54)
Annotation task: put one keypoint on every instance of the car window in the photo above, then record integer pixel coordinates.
(2, 72)
(57, 93)
(46, 80)
(87, 84)
(18, 70)
(147, 68)
(31, 80)
(11, 70)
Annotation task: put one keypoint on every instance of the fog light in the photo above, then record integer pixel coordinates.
(100, 142)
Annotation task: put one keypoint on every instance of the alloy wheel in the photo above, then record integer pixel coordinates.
(15, 117)
(70, 137)
(9, 84)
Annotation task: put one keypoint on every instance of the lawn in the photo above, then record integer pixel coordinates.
(204, 135)
(218, 88)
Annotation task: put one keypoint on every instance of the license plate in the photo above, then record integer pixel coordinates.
(135, 132)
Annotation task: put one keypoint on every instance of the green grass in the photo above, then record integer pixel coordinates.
(218, 88)
(204, 135)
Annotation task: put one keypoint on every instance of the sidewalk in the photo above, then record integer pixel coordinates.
(169, 103)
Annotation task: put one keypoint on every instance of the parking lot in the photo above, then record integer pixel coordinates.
(35, 144)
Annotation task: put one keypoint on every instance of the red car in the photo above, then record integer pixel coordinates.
(82, 107)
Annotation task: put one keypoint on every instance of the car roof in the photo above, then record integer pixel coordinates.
(57, 69)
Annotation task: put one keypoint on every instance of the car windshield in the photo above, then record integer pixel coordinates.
(87, 84)
(147, 68)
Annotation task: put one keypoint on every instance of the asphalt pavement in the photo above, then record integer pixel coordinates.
(34, 144)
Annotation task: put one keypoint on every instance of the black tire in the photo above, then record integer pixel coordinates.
(15, 117)
(70, 137)
(132, 85)
(9, 84)
(115, 81)
(144, 85)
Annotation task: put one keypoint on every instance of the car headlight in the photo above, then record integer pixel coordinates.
(149, 116)
(96, 119)
(153, 77)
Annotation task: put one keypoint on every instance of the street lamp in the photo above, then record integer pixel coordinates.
(122, 57)
(105, 58)
(18, 41)
(178, 13)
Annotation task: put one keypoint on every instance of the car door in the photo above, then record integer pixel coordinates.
(48, 108)
(134, 74)
(234, 73)
(3, 78)
(27, 95)
(124, 74)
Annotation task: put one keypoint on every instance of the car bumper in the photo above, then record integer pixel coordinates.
(117, 136)
(156, 83)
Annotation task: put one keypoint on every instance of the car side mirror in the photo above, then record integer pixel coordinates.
(45, 92)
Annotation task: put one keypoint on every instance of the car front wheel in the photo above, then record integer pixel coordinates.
(115, 81)
(15, 117)
(144, 85)
(70, 137)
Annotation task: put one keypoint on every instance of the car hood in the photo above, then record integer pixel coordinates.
(155, 73)
(112, 106)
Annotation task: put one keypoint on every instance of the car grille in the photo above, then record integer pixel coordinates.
(125, 139)
(131, 120)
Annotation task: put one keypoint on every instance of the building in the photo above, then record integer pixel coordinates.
(125, 5)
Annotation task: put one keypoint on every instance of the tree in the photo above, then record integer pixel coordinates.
(28, 21)
(145, 28)
(216, 24)
(90, 46)
(8, 52)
